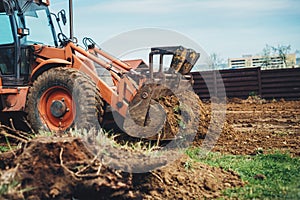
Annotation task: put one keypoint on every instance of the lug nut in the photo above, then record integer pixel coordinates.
(145, 95)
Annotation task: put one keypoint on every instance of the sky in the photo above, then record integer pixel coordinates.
(229, 28)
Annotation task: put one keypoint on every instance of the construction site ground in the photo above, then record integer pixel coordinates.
(256, 124)
(48, 169)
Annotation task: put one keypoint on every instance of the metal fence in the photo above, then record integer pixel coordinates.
(241, 83)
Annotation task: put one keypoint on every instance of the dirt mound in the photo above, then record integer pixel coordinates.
(184, 111)
(62, 168)
(189, 180)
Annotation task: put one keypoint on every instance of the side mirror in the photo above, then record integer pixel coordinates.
(23, 32)
(62, 15)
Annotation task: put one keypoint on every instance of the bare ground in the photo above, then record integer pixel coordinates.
(61, 168)
(253, 125)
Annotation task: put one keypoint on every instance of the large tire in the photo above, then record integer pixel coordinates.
(190, 111)
(178, 115)
(61, 99)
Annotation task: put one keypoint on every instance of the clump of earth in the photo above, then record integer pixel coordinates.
(63, 168)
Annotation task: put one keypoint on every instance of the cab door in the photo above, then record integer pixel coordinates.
(7, 51)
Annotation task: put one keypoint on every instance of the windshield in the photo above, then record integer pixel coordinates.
(37, 20)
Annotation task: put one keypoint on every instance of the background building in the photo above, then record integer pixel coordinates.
(265, 62)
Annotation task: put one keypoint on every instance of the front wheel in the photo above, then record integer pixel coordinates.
(61, 99)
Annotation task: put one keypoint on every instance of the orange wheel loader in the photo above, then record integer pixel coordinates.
(56, 84)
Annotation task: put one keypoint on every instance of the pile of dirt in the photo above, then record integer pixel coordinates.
(184, 111)
(185, 114)
(62, 168)
(185, 179)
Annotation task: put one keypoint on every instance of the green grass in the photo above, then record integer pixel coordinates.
(281, 171)
(4, 188)
(3, 149)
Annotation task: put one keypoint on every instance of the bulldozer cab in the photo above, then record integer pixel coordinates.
(21, 22)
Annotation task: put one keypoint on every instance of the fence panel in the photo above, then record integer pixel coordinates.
(281, 83)
(278, 83)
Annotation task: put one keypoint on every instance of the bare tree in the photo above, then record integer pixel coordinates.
(282, 51)
(266, 54)
(216, 61)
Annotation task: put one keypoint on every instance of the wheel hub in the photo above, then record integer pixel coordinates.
(58, 108)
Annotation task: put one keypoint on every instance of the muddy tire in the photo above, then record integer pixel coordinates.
(191, 112)
(200, 111)
(181, 115)
(61, 99)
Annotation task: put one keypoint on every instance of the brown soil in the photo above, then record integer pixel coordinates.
(62, 168)
(256, 125)
(189, 180)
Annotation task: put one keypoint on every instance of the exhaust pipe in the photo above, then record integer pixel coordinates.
(71, 18)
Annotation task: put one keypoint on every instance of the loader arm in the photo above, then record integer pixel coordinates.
(117, 97)
(134, 95)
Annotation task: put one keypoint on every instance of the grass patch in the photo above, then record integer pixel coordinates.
(13, 189)
(5, 188)
(268, 176)
(3, 149)
(7, 146)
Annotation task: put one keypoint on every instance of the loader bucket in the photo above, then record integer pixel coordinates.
(158, 109)
(183, 59)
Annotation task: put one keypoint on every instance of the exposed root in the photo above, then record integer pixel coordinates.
(14, 133)
(12, 124)
(86, 167)
(157, 176)
(28, 125)
(63, 166)
(12, 136)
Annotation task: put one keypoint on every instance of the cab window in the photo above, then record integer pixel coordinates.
(6, 46)
(6, 36)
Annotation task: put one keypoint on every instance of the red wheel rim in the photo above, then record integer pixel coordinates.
(57, 93)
